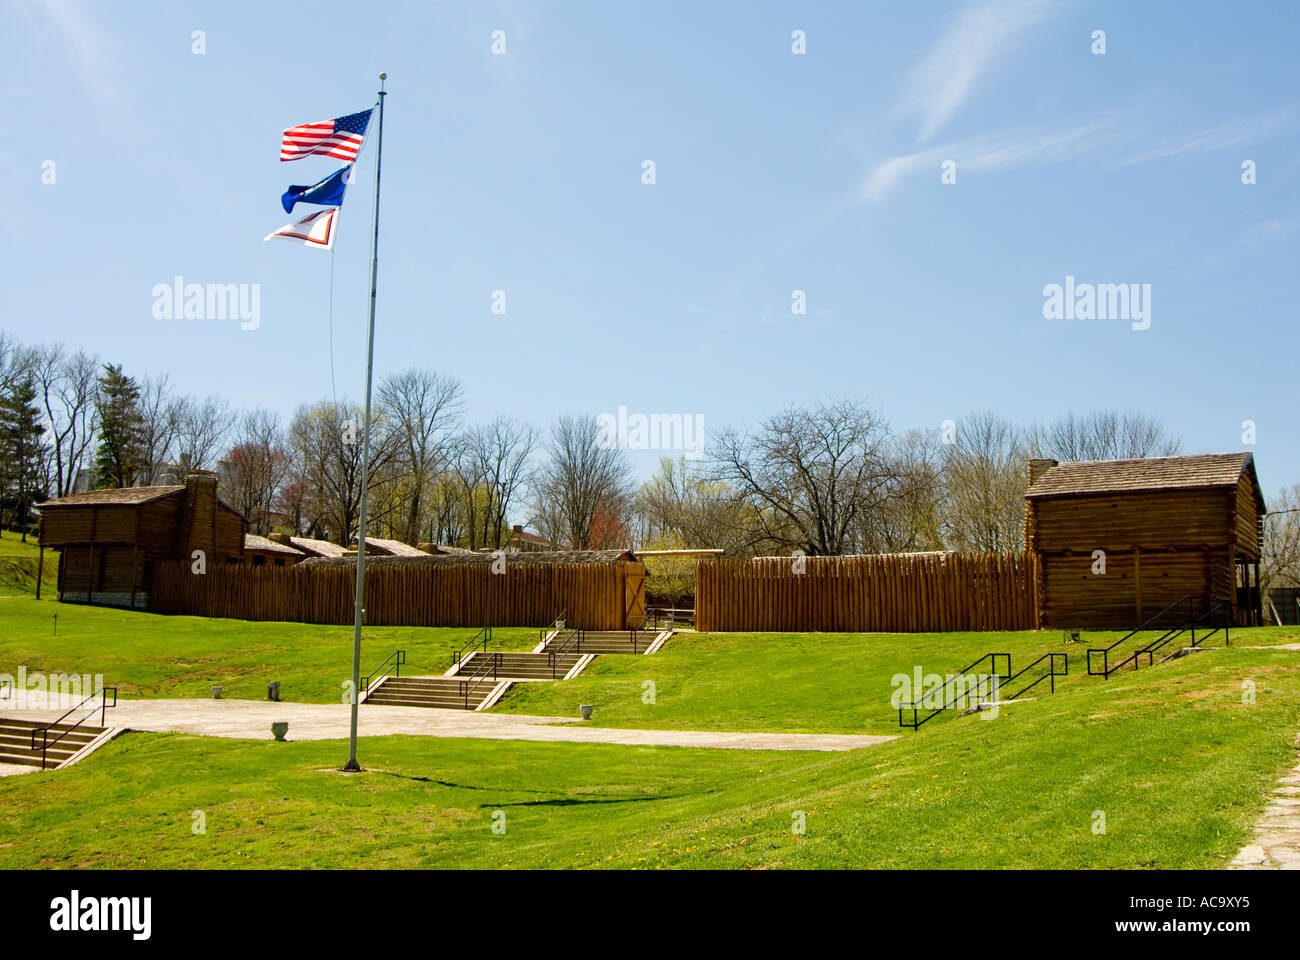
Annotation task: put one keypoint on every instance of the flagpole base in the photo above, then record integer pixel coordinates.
(351, 767)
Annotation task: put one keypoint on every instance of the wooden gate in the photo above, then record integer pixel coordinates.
(634, 592)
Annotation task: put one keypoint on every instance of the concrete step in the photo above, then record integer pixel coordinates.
(607, 641)
(16, 742)
(64, 741)
(439, 692)
(521, 666)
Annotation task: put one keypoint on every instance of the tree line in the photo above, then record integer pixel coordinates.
(830, 477)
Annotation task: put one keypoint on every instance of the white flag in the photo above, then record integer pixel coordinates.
(316, 230)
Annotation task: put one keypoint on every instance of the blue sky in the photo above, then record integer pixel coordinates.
(775, 172)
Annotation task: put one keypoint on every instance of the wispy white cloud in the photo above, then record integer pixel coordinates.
(1111, 137)
(1229, 134)
(993, 152)
(982, 35)
(90, 47)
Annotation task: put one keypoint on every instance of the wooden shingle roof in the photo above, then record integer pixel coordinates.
(392, 548)
(253, 542)
(462, 559)
(124, 496)
(1150, 473)
(320, 548)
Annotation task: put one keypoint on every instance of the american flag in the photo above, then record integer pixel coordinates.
(339, 138)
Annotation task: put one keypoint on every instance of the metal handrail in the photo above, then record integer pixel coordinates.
(572, 638)
(1050, 675)
(668, 616)
(475, 679)
(395, 661)
(917, 706)
(1171, 633)
(44, 731)
(555, 623)
(485, 633)
(1226, 626)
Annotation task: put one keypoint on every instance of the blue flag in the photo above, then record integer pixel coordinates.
(327, 193)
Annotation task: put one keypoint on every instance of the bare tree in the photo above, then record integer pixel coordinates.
(811, 474)
(424, 409)
(14, 361)
(1280, 563)
(160, 421)
(66, 388)
(201, 426)
(984, 478)
(260, 466)
(583, 478)
(1103, 435)
(503, 450)
(913, 518)
(326, 443)
(681, 506)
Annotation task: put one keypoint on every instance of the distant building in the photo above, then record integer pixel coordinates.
(526, 541)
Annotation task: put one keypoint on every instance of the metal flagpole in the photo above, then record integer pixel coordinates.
(365, 454)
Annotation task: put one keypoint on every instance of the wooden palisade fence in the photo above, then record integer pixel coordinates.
(899, 593)
(448, 595)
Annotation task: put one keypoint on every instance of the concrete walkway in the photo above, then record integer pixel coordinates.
(252, 719)
(1276, 845)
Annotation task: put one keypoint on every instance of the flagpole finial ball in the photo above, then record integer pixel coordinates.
(383, 76)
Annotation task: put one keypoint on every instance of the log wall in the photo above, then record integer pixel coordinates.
(470, 595)
(899, 593)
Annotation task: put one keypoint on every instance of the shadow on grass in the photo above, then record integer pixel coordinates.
(579, 801)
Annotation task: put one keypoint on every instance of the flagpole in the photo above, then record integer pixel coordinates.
(365, 453)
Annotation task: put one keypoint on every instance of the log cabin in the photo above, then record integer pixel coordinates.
(109, 540)
(1118, 541)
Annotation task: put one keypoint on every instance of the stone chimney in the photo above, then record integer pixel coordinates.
(281, 538)
(1039, 467)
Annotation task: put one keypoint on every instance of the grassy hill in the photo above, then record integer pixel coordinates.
(799, 682)
(151, 655)
(1174, 758)
(19, 563)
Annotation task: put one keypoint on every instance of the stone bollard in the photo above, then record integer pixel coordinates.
(585, 710)
(216, 693)
(279, 728)
(273, 691)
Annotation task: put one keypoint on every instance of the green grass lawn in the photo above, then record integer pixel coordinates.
(799, 683)
(149, 655)
(1172, 757)
(19, 563)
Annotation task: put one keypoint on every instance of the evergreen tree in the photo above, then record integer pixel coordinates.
(120, 454)
(22, 450)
